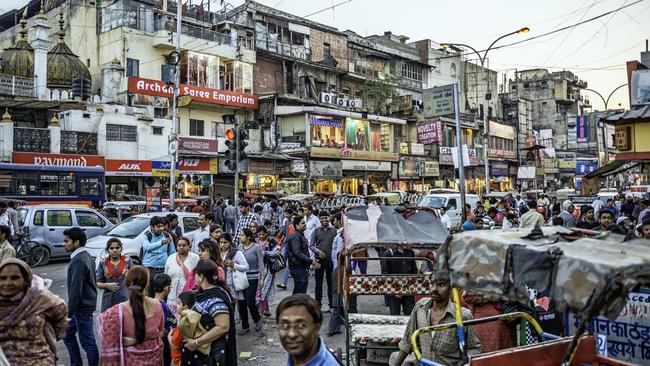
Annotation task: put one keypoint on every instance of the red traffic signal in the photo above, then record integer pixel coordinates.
(231, 134)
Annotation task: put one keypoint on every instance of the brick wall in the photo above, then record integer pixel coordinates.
(338, 46)
(268, 77)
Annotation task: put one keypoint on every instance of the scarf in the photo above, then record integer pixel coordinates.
(207, 322)
(110, 268)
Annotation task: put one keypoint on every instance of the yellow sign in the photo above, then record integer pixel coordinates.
(183, 100)
(623, 138)
(323, 152)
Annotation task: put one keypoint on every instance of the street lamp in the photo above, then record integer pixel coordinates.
(605, 103)
(488, 96)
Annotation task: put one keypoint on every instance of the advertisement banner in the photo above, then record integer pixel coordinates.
(198, 166)
(409, 168)
(190, 145)
(584, 167)
(498, 168)
(431, 169)
(438, 101)
(161, 168)
(329, 169)
(200, 94)
(582, 128)
(131, 168)
(153, 200)
(417, 149)
(330, 153)
(429, 132)
(502, 131)
(44, 159)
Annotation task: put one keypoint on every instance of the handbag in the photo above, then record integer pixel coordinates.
(278, 263)
(239, 280)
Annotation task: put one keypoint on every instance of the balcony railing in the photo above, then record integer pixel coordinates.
(169, 25)
(73, 142)
(286, 49)
(17, 86)
(32, 139)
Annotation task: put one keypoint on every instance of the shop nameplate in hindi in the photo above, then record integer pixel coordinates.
(330, 153)
(198, 94)
(190, 145)
(326, 169)
(438, 101)
(298, 166)
(44, 159)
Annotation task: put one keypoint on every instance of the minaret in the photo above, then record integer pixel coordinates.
(41, 45)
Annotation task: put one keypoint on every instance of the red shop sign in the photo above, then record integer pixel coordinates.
(128, 167)
(194, 145)
(200, 94)
(57, 159)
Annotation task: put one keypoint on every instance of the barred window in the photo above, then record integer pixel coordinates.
(121, 133)
(412, 71)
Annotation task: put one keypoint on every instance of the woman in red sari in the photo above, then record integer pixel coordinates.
(131, 331)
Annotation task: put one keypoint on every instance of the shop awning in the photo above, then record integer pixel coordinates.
(614, 167)
(286, 110)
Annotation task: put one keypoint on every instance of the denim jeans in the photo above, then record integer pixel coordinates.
(300, 280)
(325, 270)
(285, 276)
(82, 324)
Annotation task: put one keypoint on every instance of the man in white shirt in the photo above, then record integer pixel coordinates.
(203, 232)
(532, 217)
(445, 218)
(312, 222)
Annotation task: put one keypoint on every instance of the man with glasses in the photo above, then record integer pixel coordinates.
(157, 246)
(299, 319)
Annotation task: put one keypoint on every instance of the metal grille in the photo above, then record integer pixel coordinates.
(73, 142)
(121, 133)
(32, 139)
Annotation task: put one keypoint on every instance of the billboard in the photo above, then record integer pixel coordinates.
(582, 128)
(640, 88)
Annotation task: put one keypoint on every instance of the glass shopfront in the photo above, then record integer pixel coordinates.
(326, 131)
(324, 186)
(290, 186)
(260, 183)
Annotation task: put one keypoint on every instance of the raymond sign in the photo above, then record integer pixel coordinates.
(57, 159)
(199, 94)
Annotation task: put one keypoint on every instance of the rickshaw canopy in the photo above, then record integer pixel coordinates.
(298, 197)
(392, 226)
(586, 276)
(390, 198)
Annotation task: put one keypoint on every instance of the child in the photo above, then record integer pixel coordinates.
(161, 285)
(185, 301)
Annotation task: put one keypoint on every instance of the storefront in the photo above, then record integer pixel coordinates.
(196, 174)
(325, 175)
(261, 176)
(409, 172)
(362, 177)
(500, 176)
(431, 176)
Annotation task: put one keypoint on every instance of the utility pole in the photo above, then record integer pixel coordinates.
(237, 162)
(459, 143)
(173, 143)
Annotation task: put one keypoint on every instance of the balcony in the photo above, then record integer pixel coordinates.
(17, 86)
(285, 49)
(73, 142)
(32, 139)
(165, 25)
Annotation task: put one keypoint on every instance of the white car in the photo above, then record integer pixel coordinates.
(451, 203)
(131, 230)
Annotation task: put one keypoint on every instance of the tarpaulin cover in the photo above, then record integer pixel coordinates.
(383, 225)
(588, 276)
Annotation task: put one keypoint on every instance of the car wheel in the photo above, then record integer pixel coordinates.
(39, 256)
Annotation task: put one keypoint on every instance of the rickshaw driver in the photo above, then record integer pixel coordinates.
(441, 347)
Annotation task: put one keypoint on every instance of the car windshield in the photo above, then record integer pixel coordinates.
(22, 213)
(435, 202)
(129, 228)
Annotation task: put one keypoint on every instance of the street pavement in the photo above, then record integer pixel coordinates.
(264, 345)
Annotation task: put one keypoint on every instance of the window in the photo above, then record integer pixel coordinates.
(297, 39)
(86, 218)
(26, 183)
(38, 218)
(132, 67)
(216, 129)
(157, 130)
(166, 73)
(190, 224)
(411, 71)
(89, 186)
(49, 184)
(196, 127)
(451, 204)
(59, 218)
(121, 133)
(67, 184)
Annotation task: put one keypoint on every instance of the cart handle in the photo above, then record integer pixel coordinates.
(437, 327)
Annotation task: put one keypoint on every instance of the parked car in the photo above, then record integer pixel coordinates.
(451, 203)
(45, 225)
(131, 230)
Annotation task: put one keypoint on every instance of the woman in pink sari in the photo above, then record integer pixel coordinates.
(131, 331)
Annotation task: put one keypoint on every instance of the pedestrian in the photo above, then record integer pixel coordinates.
(174, 228)
(468, 225)
(253, 254)
(299, 320)
(627, 209)
(217, 212)
(31, 320)
(185, 301)
(336, 320)
(209, 250)
(82, 298)
(311, 222)
(587, 220)
(230, 216)
(611, 206)
(626, 224)
(6, 249)
(257, 212)
(510, 223)
(215, 232)
(555, 205)
(245, 219)
(13, 217)
(215, 305)
(270, 251)
(111, 273)
(157, 246)
(444, 218)
(253, 228)
(233, 260)
(322, 249)
(203, 232)
(161, 286)
(180, 268)
(130, 331)
(288, 229)
(299, 258)
(605, 218)
(644, 229)
(5, 219)
(644, 209)
(567, 214)
(531, 218)
(496, 335)
(397, 303)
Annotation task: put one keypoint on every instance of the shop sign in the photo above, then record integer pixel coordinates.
(584, 167)
(332, 98)
(403, 148)
(133, 168)
(438, 101)
(429, 132)
(161, 168)
(298, 166)
(530, 141)
(622, 137)
(159, 88)
(57, 159)
(417, 149)
(409, 168)
(329, 121)
(445, 153)
(326, 169)
(261, 167)
(372, 166)
(290, 146)
(502, 131)
(330, 153)
(198, 166)
(566, 165)
(582, 128)
(498, 153)
(393, 171)
(498, 168)
(190, 145)
(431, 169)
(153, 200)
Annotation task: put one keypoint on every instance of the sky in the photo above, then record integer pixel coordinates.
(595, 51)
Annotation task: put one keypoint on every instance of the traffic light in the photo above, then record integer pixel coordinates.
(242, 137)
(231, 153)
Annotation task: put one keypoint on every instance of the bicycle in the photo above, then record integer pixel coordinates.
(31, 252)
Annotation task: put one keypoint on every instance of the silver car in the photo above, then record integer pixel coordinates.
(45, 225)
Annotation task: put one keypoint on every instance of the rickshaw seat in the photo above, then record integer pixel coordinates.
(406, 285)
(377, 329)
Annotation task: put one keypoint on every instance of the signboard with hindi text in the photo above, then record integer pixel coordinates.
(438, 101)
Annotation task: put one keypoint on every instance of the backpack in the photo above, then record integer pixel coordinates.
(149, 236)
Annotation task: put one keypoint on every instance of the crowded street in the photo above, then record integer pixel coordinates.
(308, 183)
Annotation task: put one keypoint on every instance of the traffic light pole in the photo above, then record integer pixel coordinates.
(236, 185)
(174, 130)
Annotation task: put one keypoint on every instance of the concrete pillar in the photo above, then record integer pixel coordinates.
(55, 135)
(7, 137)
(111, 78)
(41, 45)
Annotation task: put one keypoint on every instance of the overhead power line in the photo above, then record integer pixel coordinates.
(328, 8)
